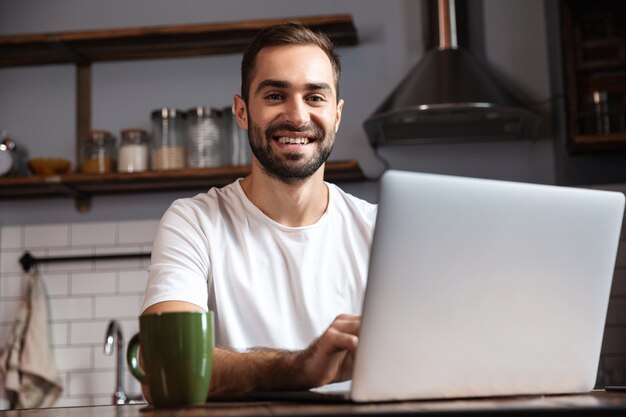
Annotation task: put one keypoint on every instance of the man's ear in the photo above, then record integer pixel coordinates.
(240, 111)
(338, 114)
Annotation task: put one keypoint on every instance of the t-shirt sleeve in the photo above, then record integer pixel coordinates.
(179, 269)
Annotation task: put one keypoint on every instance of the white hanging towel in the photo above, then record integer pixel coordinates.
(31, 377)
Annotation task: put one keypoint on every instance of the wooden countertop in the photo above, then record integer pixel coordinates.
(598, 403)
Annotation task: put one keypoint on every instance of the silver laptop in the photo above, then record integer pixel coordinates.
(484, 288)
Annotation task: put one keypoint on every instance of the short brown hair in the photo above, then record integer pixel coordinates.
(286, 34)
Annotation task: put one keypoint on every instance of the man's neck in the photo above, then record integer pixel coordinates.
(300, 204)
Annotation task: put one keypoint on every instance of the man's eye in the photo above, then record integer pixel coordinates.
(274, 97)
(317, 99)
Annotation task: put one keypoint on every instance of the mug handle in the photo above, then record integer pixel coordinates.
(132, 359)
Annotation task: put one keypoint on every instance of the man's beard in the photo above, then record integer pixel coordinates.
(294, 168)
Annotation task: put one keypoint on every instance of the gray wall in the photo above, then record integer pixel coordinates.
(37, 105)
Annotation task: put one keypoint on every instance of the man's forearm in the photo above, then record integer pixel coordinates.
(256, 370)
(328, 359)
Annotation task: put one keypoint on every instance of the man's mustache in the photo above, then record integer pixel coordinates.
(312, 129)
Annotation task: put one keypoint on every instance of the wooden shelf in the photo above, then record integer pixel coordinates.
(82, 48)
(607, 140)
(85, 47)
(84, 186)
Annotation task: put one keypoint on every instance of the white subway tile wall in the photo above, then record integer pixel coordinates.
(11, 237)
(47, 236)
(83, 295)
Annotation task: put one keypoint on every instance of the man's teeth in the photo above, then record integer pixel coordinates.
(298, 141)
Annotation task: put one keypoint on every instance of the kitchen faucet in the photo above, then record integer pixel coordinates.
(115, 331)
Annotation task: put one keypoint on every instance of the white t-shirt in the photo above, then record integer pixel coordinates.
(268, 285)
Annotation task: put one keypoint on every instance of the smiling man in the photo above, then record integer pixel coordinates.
(279, 256)
(297, 111)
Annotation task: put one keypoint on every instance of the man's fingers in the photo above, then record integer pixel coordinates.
(338, 340)
(349, 325)
(342, 333)
(348, 317)
(345, 372)
(329, 358)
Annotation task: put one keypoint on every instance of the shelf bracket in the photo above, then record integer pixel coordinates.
(68, 51)
(83, 107)
(82, 204)
(82, 201)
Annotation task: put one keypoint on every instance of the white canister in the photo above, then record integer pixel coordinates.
(133, 151)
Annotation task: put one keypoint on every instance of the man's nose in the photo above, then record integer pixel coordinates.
(297, 113)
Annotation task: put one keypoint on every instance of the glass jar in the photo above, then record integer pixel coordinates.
(98, 152)
(133, 152)
(204, 139)
(236, 146)
(168, 139)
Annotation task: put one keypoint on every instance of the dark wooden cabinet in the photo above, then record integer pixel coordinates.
(594, 64)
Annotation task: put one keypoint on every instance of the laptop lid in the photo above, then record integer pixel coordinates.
(485, 288)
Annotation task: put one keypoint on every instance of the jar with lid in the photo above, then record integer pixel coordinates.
(168, 139)
(98, 152)
(133, 152)
(236, 147)
(204, 138)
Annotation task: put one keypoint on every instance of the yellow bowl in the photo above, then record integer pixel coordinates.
(49, 166)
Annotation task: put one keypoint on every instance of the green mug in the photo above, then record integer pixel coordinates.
(177, 351)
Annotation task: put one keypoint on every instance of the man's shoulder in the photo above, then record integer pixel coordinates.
(210, 198)
(211, 204)
(347, 202)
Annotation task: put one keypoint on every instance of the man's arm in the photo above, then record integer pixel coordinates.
(328, 359)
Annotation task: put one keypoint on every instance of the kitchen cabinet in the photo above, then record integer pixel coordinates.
(594, 63)
(84, 48)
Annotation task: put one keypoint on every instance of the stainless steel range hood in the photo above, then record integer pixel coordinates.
(449, 97)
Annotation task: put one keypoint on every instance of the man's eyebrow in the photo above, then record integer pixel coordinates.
(272, 84)
(320, 86)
